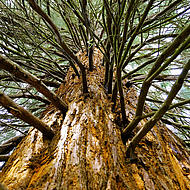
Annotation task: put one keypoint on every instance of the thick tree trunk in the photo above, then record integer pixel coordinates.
(87, 151)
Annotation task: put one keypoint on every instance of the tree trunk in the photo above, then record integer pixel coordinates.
(87, 151)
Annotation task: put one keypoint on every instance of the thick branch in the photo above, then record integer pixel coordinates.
(20, 73)
(24, 115)
(122, 100)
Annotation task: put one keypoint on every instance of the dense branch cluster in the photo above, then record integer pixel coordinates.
(145, 43)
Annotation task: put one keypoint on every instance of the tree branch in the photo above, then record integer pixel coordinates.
(20, 73)
(122, 100)
(133, 36)
(178, 125)
(171, 107)
(12, 127)
(24, 115)
(4, 157)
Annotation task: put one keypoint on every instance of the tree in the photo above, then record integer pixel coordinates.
(89, 76)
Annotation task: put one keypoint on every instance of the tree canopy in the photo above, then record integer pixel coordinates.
(145, 45)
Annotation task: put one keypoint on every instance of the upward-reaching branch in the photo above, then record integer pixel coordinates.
(89, 47)
(133, 36)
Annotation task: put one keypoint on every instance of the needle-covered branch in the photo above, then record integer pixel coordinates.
(179, 104)
(162, 13)
(25, 115)
(178, 125)
(46, 82)
(7, 125)
(146, 84)
(176, 53)
(20, 73)
(171, 49)
(29, 96)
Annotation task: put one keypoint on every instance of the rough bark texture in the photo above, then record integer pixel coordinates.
(87, 151)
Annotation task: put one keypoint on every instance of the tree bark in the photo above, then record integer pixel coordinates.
(87, 151)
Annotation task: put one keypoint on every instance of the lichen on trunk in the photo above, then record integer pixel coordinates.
(87, 151)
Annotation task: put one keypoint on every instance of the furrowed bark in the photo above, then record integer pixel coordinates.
(20, 73)
(26, 116)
